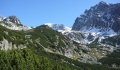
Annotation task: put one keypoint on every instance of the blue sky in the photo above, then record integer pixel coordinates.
(37, 12)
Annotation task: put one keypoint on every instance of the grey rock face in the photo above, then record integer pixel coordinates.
(12, 22)
(102, 16)
(12, 19)
(6, 45)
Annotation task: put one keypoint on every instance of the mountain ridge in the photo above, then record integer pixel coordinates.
(102, 16)
(57, 47)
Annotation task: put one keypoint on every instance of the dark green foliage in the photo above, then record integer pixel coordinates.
(18, 60)
(26, 59)
(16, 37)
(76, 65)
(34, 57)
(47, 37)
(112, 40)
(113, 58)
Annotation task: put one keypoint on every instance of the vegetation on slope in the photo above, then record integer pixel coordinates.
(34, 57)
(16, 37)
(27, 59)
(49, 38)
(112, 40)
(112, 59)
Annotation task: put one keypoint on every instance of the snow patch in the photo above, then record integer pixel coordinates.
(59, 27)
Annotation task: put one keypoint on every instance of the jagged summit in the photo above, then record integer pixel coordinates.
(102, 17)
(12, 22)
(102, 3)
(12, 19)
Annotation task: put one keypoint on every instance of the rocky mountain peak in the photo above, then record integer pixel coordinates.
(12, 22)
(12, 19)
(101, 6)
(102, 3)
(102, 17)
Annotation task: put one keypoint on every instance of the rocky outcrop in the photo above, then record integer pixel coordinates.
(6, 45)
(12, 22)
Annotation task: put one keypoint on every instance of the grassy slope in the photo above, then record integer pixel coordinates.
(34, 57)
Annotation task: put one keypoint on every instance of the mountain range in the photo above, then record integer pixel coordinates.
(93, 42)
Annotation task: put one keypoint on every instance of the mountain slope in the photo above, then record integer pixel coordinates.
(34, 55)
(10, 39)
(115, 40)
(112, 60)
(54, 42)
(102, 18)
